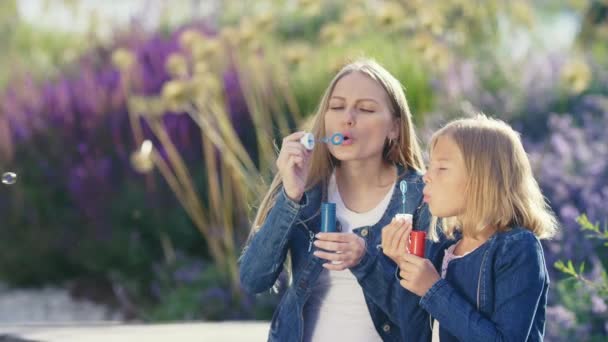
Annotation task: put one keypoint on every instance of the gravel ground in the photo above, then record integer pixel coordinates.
(49, 305)
(52, 315)
(182, 332)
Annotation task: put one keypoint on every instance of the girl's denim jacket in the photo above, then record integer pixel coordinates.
(290, 227)
(498, 292)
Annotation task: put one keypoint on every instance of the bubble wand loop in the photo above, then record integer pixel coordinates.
(308, 140)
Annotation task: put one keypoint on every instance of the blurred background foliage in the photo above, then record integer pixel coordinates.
(143, 147)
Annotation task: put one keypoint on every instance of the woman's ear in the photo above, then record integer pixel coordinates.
(395, 129)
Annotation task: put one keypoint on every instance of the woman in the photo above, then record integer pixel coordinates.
(331, 285)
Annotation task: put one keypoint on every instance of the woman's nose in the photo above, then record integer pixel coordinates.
(426, 178)
(349, 117)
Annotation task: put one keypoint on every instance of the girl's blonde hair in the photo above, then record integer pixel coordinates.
(501, 191)
(405, 150)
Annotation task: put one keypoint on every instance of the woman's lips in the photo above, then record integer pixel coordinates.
(347, 138)
(347, 141)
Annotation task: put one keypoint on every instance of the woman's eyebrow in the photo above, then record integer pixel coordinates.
(370, 100)
(334, 97)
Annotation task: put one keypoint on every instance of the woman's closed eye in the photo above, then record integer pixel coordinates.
(367, 110)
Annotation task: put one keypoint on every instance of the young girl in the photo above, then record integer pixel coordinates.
(333, 276)
(492, 281)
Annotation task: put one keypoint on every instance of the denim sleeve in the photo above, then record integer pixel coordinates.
(519, 279)
(376, 276)
(262, 259)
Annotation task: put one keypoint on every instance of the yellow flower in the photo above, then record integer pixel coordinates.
(353, 17)
(137, 105)
(189, 38)
(206, 86)
(390, 15)
(150, 106)
(578, 5)
(155, 106)
(437, 56)
(522, 13)
(200, 67)
(305, 3)
(254, 45)
(206, 50)
(296, 53)
(176, 65)
(247, 31)
(176, 93)
(231, 36)
(423, 41)
(431, 20)
(142, 159)
(337, 64)
(332, 33)
(264, 22)
(123, 59)
(310, 7)
(576, 75)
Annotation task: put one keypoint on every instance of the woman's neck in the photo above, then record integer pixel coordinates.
(359, 176)
(363, 186)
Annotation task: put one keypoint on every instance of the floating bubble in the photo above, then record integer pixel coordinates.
(146, 147)
(142, 160)
(9, 178)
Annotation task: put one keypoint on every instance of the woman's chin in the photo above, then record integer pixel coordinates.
(347, 154)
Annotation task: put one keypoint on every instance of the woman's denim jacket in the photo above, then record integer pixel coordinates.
(498, 292)
(290, 227)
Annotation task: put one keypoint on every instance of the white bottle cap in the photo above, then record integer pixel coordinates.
(406, 217)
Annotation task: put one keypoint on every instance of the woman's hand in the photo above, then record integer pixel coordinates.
(395, 239)
(417, 274)
(292, 164)
(346, 249)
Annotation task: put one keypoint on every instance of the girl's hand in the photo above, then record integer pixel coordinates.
(417, 274)
(395, 239)
(292, 163)
(347, 248)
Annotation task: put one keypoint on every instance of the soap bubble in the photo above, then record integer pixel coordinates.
(9, 178)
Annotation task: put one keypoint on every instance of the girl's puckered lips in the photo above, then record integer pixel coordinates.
(426, 197)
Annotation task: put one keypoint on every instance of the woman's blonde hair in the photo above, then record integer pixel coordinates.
(405, 150)
(501, 191)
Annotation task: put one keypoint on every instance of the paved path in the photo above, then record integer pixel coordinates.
(179, 332)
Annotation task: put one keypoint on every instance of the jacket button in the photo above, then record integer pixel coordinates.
(386, 327)
(364, 232)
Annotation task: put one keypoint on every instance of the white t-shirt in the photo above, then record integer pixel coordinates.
(336, 309)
